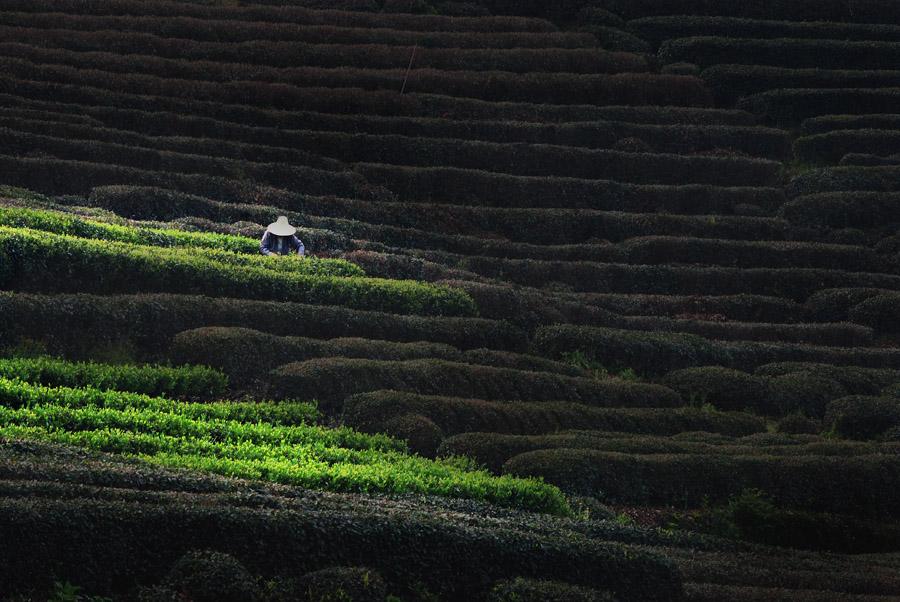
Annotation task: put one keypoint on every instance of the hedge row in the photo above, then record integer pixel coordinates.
(359, 102)
(82, 85)
(863, 210)
(658, 29)
(528, 308)
(60, 222)
(713, 592)
(869, 160)
(864, 11)
(82, 324)
(806, 391)
(838, 335)
(175, 244)
(731, 82)
(183, 381)
(655, 353)
(51, 263)
(845, 179)
(532, 307)
(666, 138)
(880, 312)
(854, 581)
(548, 160)
(740, 308)
(493, 450)
(265, 152)
(864, 417)
(783, 52)
(286, 455)
(297, 177)
(484, 188)
(828, 148)
(335, 55)
(441, 417)
(331, 380)
(855, 379)
(160, 203)
(50, 175)
(541, 160)
(17, 395)
(234, 31)
(752, 254)
(106, 71)
(834, 304)
(862, 486)
(534, 590)
(18, 110)
(791, 283)
(427, 226)
(400, 266)
(317, 239)
(244, 354)
(287, 14)
(118, 542)
(793, 105)
(115, 146)
(829, 123)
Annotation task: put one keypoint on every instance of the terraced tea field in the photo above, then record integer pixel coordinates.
(601, 301)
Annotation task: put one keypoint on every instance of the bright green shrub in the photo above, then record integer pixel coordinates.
(286, 455)
(233, 250)
(183, 381)
(17, 394)
(73, 225)
(53, 263)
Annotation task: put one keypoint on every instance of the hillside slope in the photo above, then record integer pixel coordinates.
(601, 302)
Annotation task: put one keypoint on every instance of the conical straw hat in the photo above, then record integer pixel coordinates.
(281, 227)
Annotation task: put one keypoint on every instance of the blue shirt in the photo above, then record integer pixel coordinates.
(280, 245)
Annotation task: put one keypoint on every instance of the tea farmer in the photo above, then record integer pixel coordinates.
(280, 239)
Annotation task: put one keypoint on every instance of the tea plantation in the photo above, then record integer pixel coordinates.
(601, 301)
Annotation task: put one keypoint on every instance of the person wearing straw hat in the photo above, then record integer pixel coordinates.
(280, 239)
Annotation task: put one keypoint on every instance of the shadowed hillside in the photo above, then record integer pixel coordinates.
(600, 301)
